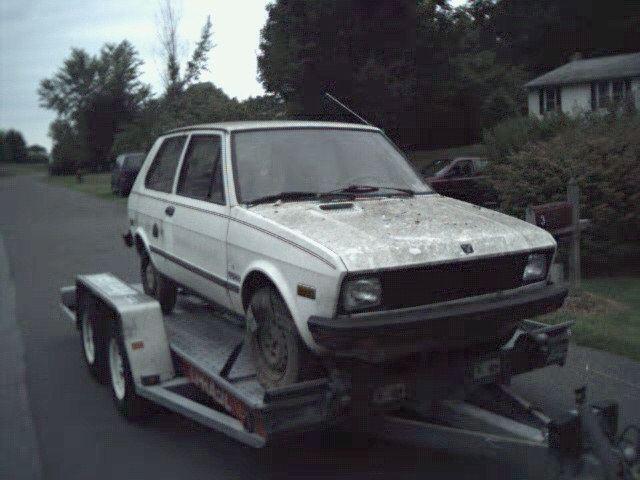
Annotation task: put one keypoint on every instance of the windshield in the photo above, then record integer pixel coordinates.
(134, 161)
(436, 168)
(318, 160)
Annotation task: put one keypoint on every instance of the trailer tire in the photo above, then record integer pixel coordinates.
(157, 285)
(279, 355)
(123, 390)
(93, 339)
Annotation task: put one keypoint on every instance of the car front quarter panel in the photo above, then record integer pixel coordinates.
(287, 260)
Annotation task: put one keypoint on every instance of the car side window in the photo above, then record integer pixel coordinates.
(461, 169)
(201, 173)
(163, 169)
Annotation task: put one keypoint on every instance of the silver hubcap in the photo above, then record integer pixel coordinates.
(117, 369)
(273, 346)
(87, 339)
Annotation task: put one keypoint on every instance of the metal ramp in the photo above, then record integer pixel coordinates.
(214, 342)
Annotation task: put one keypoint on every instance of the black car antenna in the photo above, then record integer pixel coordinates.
(331, 97)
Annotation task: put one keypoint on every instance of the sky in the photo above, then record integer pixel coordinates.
(36, 36)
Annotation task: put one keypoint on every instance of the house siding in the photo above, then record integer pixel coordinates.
(534, 105)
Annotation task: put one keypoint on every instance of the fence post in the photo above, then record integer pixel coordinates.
(573, 197)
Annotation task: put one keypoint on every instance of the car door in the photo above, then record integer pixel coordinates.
(155, 204)
(201, 219)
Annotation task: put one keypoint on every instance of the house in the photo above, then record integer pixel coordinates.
(586, 85)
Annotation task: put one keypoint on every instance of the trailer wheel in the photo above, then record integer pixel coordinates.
(122, 386)
(157, 285)
(280, 356)
(93, 339)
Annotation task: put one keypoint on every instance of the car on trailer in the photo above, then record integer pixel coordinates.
(330, 245)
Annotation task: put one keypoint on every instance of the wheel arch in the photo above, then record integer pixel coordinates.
(141, 243)
(254, 281)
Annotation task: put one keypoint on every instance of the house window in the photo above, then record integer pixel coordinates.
(550, 100)
(605, 92)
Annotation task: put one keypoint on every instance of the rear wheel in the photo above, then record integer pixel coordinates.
(92, 337)
(280, 356)
(123, 389)
(157, 285)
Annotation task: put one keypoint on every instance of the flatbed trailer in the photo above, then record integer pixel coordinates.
(196, 362)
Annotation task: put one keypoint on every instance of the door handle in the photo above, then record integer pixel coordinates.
(170, 210)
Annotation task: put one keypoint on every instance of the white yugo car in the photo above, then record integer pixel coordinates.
(324, 238)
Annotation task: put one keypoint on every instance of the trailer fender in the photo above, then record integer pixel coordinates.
(140, 320)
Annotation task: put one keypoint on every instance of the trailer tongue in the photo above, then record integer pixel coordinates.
(195, 362)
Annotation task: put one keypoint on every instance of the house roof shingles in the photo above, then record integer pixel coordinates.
(578, 71)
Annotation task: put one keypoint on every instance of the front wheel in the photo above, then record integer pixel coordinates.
(280, 356)
(157, 285)
(122, 386)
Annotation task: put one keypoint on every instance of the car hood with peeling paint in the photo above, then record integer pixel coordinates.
(392, 232)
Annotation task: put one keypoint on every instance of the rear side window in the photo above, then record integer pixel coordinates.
(163, 169)
(201, 174)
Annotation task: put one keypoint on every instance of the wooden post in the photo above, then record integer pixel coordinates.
(573, 197)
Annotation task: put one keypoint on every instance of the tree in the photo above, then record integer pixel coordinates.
(13, 148)
(362, 52)
(94, 96)
(543, 34)
(37, 154)
(167, 23)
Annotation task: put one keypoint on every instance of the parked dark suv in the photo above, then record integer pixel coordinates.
(125, 172)
(461, 178)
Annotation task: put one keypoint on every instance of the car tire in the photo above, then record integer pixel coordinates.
(279, 355)
(123, 390)
(157, 285)
(93, 339)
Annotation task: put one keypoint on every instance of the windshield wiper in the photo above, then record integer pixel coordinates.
(369, 189)
(284, 196)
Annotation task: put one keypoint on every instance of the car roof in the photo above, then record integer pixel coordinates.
(271, 124)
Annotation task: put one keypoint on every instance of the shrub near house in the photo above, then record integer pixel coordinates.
(532, 165)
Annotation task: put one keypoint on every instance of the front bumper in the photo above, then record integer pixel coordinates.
(387, 335)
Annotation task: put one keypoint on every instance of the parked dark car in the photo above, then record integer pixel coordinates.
(461, 178)
(125, 172)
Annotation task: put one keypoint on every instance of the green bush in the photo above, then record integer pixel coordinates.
(601, 152)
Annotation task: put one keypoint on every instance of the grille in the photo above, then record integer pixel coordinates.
(412, 287)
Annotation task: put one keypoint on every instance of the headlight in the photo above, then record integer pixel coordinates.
(536, 268)
(362, 293)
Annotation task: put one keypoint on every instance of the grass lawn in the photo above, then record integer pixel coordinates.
(606, 315)
(13, 169)
(96, 184)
